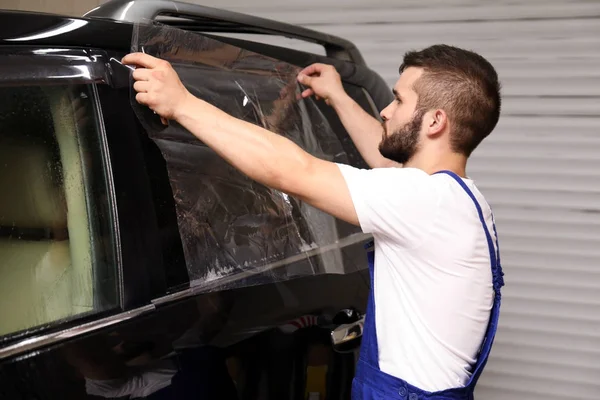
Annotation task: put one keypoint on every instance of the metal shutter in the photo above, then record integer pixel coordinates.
(540, 168)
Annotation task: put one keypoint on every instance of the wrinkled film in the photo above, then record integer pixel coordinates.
(236, 232)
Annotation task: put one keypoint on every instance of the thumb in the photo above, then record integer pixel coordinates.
(304, 79)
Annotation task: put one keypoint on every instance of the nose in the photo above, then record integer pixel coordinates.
(384, 114)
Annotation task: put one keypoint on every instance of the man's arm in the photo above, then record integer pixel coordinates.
(270, 159)
(262, 155)
(365, 130)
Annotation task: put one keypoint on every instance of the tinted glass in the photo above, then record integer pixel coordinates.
(57, 255)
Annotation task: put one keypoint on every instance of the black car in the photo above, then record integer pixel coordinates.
(135, 262)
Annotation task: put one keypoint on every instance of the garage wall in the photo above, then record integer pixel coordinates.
(540, 168)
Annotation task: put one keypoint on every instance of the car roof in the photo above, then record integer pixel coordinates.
(110, 26)
(21, 28)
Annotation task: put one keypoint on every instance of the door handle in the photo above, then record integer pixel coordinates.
(347, 337)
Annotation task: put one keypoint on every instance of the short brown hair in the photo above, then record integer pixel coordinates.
(462, 83)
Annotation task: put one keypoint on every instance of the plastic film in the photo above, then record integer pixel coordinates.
(235, 231)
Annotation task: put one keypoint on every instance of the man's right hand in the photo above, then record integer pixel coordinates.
(323, 81)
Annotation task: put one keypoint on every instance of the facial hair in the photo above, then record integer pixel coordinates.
(403, 144)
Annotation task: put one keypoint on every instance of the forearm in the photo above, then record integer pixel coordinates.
(365, 130)
(262, 155)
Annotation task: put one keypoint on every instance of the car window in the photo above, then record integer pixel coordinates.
(234, 231)
(57, 256)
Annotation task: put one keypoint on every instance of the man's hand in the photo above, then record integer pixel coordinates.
(365, 130)
(323, 81)
(158, 85)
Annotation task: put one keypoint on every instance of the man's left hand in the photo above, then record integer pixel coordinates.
(157, 85)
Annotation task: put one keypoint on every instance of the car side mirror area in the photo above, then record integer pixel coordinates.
(347, 338)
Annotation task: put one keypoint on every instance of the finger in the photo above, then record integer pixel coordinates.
(304, 79)
(316, 68)
(142, 74)
(307, 93)
(142, 98)
(142, 60)
(141, 86)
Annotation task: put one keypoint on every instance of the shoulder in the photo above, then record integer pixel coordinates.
(457, 200)
(400, 203)
(402, 189)
(389, 171)
(393, 176)
(449, 187)
(397, 186)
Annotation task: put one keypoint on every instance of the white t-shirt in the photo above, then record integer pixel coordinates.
(433, 280)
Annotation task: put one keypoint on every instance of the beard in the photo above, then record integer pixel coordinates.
(403, 144)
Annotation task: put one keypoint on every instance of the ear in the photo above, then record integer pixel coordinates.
(437, 122)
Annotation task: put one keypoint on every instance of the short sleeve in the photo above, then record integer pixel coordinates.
(400, 203)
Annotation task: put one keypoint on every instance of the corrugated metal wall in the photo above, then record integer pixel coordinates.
(540, 169)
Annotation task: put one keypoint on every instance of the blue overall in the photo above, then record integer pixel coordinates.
(370, 383)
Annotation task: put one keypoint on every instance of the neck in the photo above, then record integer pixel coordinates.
(432, 163)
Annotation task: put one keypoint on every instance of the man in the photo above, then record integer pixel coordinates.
(434, 294)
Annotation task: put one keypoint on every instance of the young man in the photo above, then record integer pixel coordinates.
(436, 274)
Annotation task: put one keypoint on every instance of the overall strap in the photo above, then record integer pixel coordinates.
(369, 351)
(498, 282)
